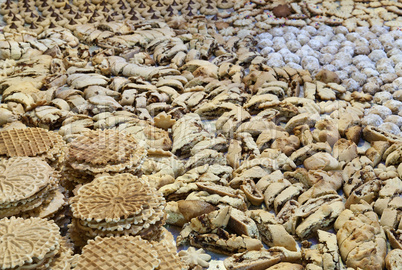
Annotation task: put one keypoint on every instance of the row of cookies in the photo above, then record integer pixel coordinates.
(376, 68)
(264, 16)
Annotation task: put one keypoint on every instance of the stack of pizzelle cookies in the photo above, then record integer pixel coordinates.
(117, 205)
(32, 243)
(128, 252)
(33, 142)
(101, 151)
(29, 188)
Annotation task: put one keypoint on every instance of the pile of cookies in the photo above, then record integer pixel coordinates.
(267, 134)
(33, 142)
(116, 205)
(43, 14)
(30, 188)
(30, 174)
(128, 252)
(101, 152)
(363, 59)
(33, 243)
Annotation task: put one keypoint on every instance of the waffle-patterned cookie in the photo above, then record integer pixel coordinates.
(114, 148)
(21, 209)
(31, 142)
(25, 242)
(116, 205)
(25, 142)
(123, 228)
(167, 239)
(113, 198)
(135, 224)
(149, 230)
(22, 178)
(117, 253)
(105, 151)
(169, 258)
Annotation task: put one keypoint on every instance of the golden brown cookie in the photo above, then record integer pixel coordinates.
(125, 253)
(32, 142)
(27, 242)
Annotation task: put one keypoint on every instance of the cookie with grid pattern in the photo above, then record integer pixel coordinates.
(114, 198)
(118, 253)
(26, 184)
(167, 238)
(112, 144)
(22, 178)
(168, 256)
(100, 151)
(27, 241)
(31, 142)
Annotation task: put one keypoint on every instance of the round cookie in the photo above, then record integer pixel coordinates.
(27, 242)
(126, 252)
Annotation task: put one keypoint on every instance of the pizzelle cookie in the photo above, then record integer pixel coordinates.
(27, 243)
(26, 184)
(125, 253)
(32, 142)
(168, 256)
(23, 177)
(51, 206)
(117, 205)
(102, 151)
(63, 259)
(95, 149)
(124, 194)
